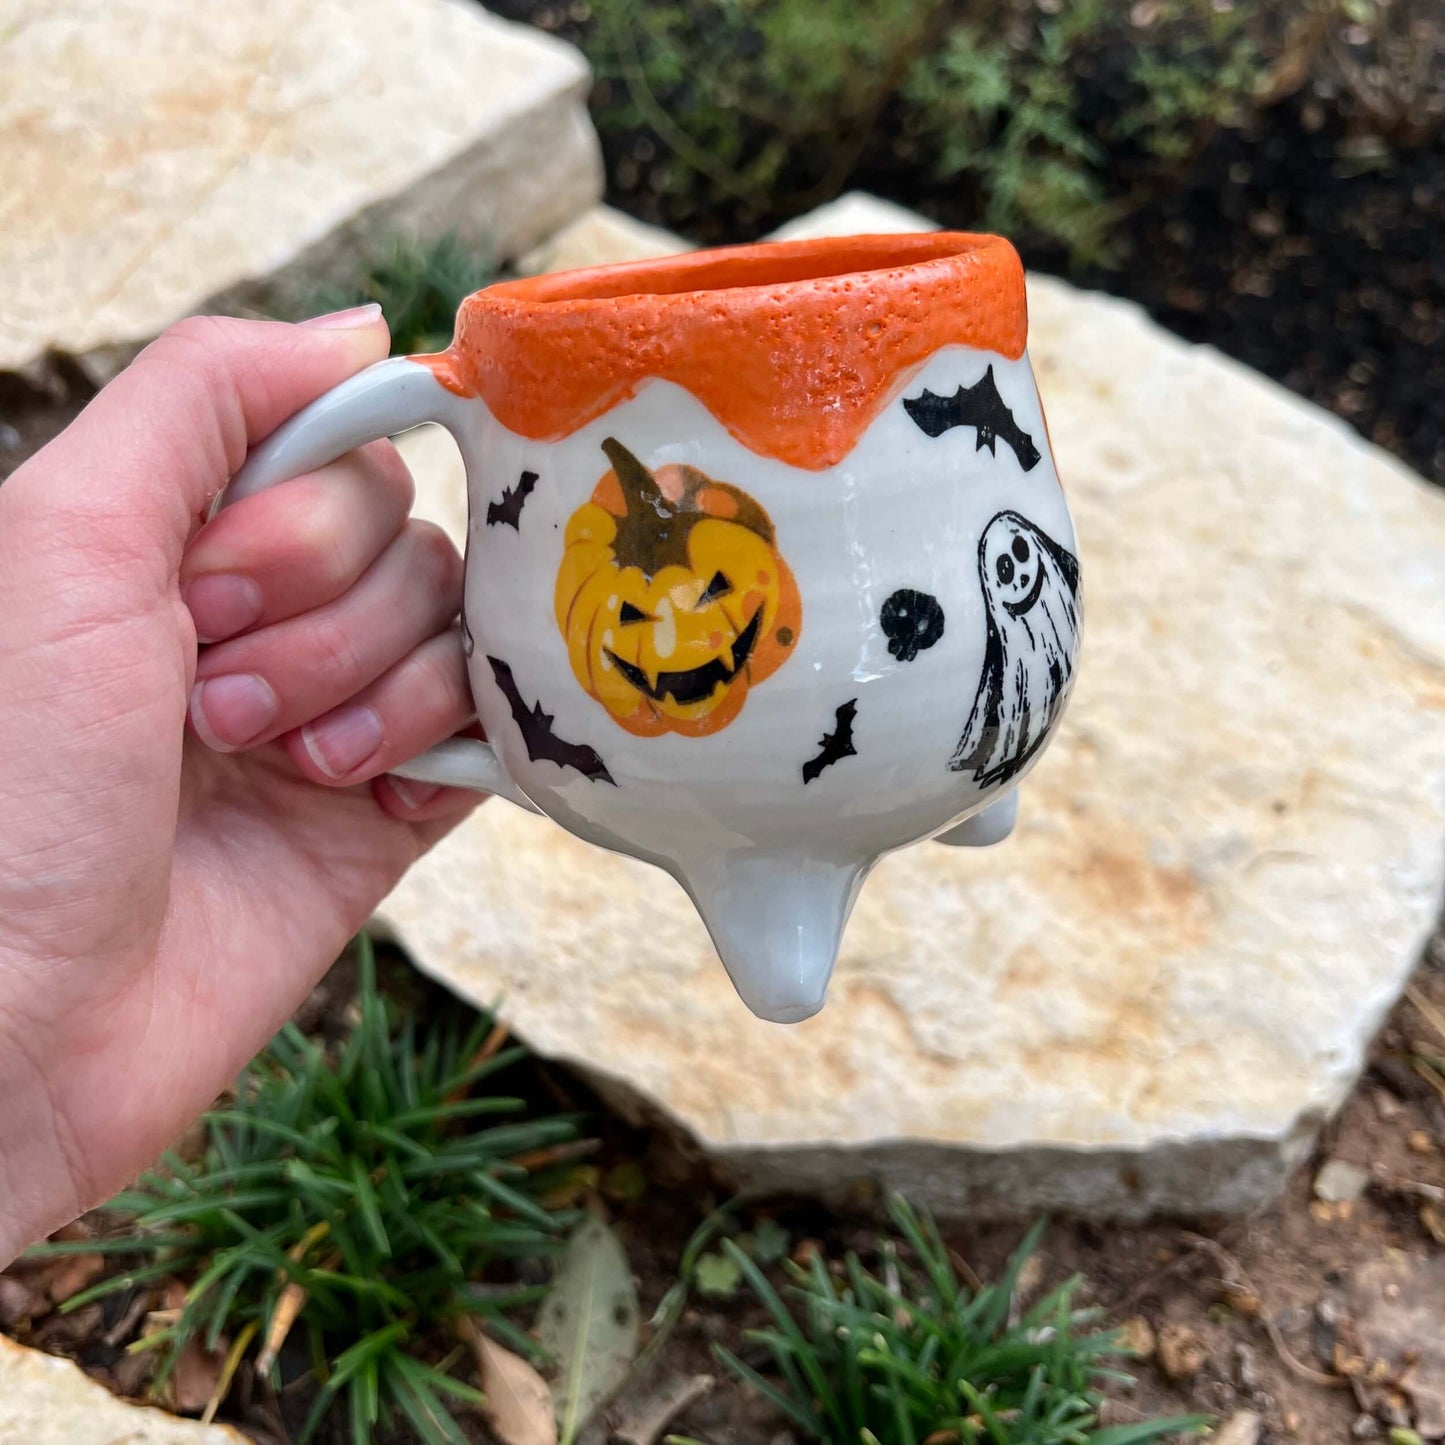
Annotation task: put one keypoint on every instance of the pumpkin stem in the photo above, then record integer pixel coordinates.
(640, 492)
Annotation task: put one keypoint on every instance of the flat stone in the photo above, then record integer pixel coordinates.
(1150, 996)
(163, 157)
(1242, 1428)
(1340, 1182)
(598, 237)
(45, 1400)
(854, 213)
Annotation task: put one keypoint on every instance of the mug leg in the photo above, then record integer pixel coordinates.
(992, 825)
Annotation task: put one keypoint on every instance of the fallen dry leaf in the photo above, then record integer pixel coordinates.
(59, 1334)
(17, 1301)
(193, 1381)
(228, 1370)
(590, 1323)
(70, 1274)
(519, 1401)
(292, 1299)
(131, 1372)
(289, 1303)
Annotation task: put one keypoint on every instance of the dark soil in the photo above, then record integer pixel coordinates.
(30, 416)
(1246, 1311)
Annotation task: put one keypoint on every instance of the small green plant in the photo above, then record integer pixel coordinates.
(755, 100)
(1009, 114)
(419, 287)
(763, 108)
(359, 1200)
(916, 1356)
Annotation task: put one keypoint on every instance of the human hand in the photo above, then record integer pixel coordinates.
(168, 896)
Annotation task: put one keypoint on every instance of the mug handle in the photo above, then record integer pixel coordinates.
(389, 397)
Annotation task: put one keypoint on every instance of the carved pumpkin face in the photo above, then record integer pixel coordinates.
(672, 597)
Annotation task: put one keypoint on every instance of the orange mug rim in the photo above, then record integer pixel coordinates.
(793, 346)
(762, 268)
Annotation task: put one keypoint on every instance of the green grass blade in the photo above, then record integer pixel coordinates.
(120, 1244)
(789, 1405)
(1147, 1430)
(370, 1212)
(512, 1199)
(271, 1127)
(408, 1383)
(116, 1282)
(806, 1357)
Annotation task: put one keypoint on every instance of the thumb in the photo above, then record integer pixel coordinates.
(133, 473)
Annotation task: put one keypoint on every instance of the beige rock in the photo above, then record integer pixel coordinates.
(1242, 1428)
(1181, 1352)
(49, 1401)
(1340, 1182)
(161, 154)
(1151, 995)
(597, 238)
(854, 214)
(1137, 1336)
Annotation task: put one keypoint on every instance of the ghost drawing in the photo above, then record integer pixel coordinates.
(1031, 604)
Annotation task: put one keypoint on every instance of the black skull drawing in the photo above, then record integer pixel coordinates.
(1032, 610)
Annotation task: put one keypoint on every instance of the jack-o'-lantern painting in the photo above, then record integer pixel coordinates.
(673, 598)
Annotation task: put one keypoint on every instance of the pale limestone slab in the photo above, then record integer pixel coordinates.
(1226, 866)
(161, 155)
(855, 213)
(598, 237)
(45, 1400)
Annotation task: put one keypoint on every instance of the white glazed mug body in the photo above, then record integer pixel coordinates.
(760, 676)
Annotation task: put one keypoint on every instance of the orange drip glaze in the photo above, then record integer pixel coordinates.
(793, 346)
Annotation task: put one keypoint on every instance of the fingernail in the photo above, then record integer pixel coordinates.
(221, 605)
(230, 711)
(413, 795)
(341, 741)
(352, 319)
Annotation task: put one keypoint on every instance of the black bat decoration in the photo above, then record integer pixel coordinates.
(509, 509)
(836, 745)
(543, 745)
(979, 406)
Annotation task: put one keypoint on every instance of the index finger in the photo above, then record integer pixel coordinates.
(142, 461)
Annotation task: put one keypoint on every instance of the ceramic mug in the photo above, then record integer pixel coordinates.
(769, 571)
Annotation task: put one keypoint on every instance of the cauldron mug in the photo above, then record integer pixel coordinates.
(769, 571)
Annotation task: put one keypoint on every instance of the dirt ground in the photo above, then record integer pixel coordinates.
(1326, 1320)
